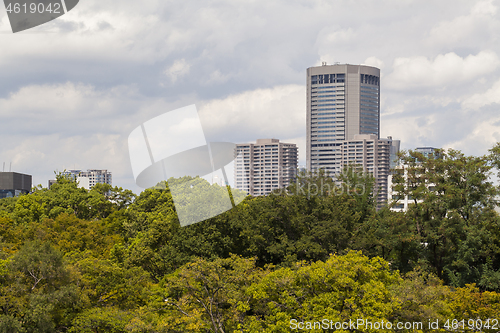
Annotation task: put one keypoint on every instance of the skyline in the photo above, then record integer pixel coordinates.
(73, 89)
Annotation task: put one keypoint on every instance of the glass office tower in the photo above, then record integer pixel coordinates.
(342, 101)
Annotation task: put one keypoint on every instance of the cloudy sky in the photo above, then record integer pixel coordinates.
(72, 90)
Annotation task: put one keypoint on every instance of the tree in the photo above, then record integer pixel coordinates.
(339, 289)
(360, 185)
(452, 211)
(283, 229)
(478, 310)
(105, 320)
(36, 291)
(422, 296)
(106, 284)
(209, 295)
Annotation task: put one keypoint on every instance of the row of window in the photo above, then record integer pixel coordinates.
(324, 88)
(327, 78)
(339, 124)
(370, 109)
(369, 88)
(371, 92)
(323, 140)
(370, 79)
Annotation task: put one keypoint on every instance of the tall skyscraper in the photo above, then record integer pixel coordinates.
(342, 101)
(264, 166)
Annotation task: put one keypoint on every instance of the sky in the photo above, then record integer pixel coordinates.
(72, 90)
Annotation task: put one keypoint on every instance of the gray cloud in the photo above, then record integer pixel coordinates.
(73, 89)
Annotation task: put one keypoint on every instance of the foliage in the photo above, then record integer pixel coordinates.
(209, 296)
(422, 295)
(105, 260)
(339, 289)
(452, 216)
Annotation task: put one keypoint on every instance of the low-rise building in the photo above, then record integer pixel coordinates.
(13, 184)
(87, 179)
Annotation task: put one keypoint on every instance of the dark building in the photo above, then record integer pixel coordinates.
(14, 184)
(52, 182)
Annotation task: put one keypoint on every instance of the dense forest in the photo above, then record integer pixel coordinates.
(106, 260)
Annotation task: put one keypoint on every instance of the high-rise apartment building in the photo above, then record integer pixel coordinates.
(374, 156)
(342, 101)
(89, 178)
(264, 166)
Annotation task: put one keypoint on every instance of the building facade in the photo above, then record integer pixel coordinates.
(374, 156)
(342, 101)
(401, 202)
(265, 166)
(87, 179)
(428, 152)
(13, 184)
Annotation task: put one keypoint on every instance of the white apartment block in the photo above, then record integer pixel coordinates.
(400, 202)
(87, 179)
(264, 166)
(374, 156)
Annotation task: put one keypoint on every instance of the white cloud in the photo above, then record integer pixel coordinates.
(179, 69)
(72, 96)
(61, 126)
(478, 100)
(216, 77)
(466, 29)
(484, 8)
(41, 155)
(413, 131)
(77, 126)
(277, 112)
(482, 136)
(444, 69)
(375, 62)
(60, 100)
(330, 40)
